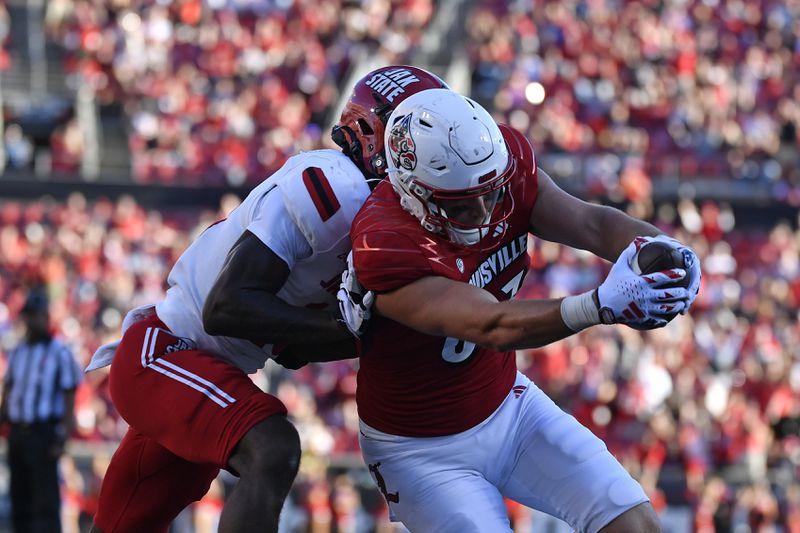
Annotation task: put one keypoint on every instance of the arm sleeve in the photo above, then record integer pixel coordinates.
(275, 228)
(385, 261)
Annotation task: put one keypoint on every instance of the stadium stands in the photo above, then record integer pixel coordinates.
(613, 92)
(223, 93)
(696, 88)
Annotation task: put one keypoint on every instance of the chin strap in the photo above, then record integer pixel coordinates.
(346, 139)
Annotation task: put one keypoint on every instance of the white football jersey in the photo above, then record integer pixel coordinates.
(320, 193)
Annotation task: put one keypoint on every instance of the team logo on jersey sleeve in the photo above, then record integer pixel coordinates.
(401, 145)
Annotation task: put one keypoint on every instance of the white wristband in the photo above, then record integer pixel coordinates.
(579, 312)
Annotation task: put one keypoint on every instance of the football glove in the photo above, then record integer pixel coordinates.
(637, 300)
(355, 303)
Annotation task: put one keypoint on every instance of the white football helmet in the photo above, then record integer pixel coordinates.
(449, 163)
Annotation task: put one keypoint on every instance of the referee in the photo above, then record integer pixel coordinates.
(38, 401)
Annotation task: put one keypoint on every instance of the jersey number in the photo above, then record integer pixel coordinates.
(457, 350)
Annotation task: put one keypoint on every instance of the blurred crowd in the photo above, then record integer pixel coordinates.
(706, 412)
(5, 30)
(222, 91)
(41, 134)
(45, 138)
(656, 87)
(618, 92)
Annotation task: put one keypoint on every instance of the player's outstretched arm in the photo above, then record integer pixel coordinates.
(447, 308)
(560, 217)
(243, 302)
(444, 307)
(607, 232)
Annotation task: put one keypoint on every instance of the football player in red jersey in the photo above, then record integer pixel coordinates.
(265, 275)
(448, 425)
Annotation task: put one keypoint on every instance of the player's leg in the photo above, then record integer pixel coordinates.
(146, 486)
(563, 469)
(433, 485)
(266, 459)
(234, 425)
(192, 404)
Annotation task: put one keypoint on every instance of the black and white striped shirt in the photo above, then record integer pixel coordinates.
(37, 375)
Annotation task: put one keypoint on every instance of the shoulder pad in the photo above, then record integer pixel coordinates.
(387, 260)
(519, 145)
(526, 181)
(322, 191)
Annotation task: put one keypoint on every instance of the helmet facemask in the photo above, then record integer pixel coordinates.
(466, 216)
(450, 165)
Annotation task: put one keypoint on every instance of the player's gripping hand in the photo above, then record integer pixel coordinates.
(283, 354)
(640, 301)
(690, 261)
(355, 303)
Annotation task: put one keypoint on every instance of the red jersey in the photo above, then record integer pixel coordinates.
(413, 384)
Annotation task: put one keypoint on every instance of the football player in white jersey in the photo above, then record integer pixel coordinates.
(449, 427)
(267, 274)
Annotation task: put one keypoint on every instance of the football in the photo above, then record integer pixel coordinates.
(657, 256)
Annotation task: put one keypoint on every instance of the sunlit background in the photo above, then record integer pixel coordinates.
(128, 126)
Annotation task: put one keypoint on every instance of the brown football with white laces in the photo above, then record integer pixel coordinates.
(656, 257)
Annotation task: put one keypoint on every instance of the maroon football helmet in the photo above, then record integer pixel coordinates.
(359, 132)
